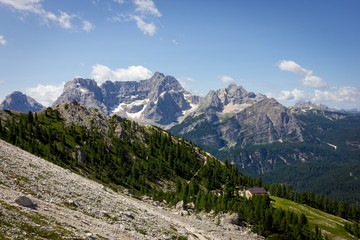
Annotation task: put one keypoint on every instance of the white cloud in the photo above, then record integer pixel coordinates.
(2, 40)
(24, 5)
(144, 13)
(293, 67)
(147, 28)
(45, 94)
(87, 26)
(146, 7)
(174, 42)
(225, 79)
(309, 79)
(342, 94)
(63, 19)
(294, 95)
(103, 73)
(313, 81)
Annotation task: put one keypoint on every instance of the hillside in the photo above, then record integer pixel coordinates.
(330, 225)
(71, 206)
(333, 167)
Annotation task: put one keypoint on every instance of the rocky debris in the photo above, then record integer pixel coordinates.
(180, 206)
(128, 192)
(79, 154)
(71, 206)
(25, 202)
(20, 102)
(190, 205)
(231, 219)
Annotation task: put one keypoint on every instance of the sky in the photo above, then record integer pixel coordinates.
(290, 50)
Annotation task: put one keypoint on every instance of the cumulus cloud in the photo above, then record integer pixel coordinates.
(225, 79)
(342, 94)
(294, 95)
(309, 80)
(146, 28)
(103, 73)
(62, 19)
(2, 40)
(45, 94)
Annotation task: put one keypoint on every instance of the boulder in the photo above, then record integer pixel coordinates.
(128, 192)
(25, 202)
(231, 219)
(190, 205)
(180, 206)
(79, 154)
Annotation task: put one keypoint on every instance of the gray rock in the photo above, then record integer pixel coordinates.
(79, 154)
(127, 192)
(231, 219)
(25, 202)
(180, 206)
(20, 102)
(159, 101)
(85, 91)
(190, 205)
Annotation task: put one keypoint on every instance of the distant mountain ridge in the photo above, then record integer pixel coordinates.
(160, 100)
(20, 102)
(232, 116)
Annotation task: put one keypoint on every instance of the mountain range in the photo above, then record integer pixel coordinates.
(303, 144)
(159, 101)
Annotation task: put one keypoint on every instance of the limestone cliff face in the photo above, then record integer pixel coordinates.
(20, 102)
(232, 116)
(85, 91)
(159, 100)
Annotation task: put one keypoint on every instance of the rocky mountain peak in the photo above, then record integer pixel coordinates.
(158, 76)
(20, 102)
(85, 91)
(161, 83)
(212, 102)
(311, 105)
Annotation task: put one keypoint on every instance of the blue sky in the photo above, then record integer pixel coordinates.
(289, 50)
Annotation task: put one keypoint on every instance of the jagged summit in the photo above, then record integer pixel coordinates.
(234, 117)
(20, 102)
(86, 91)
(159, 100)
(310, 104)
(232, 99)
